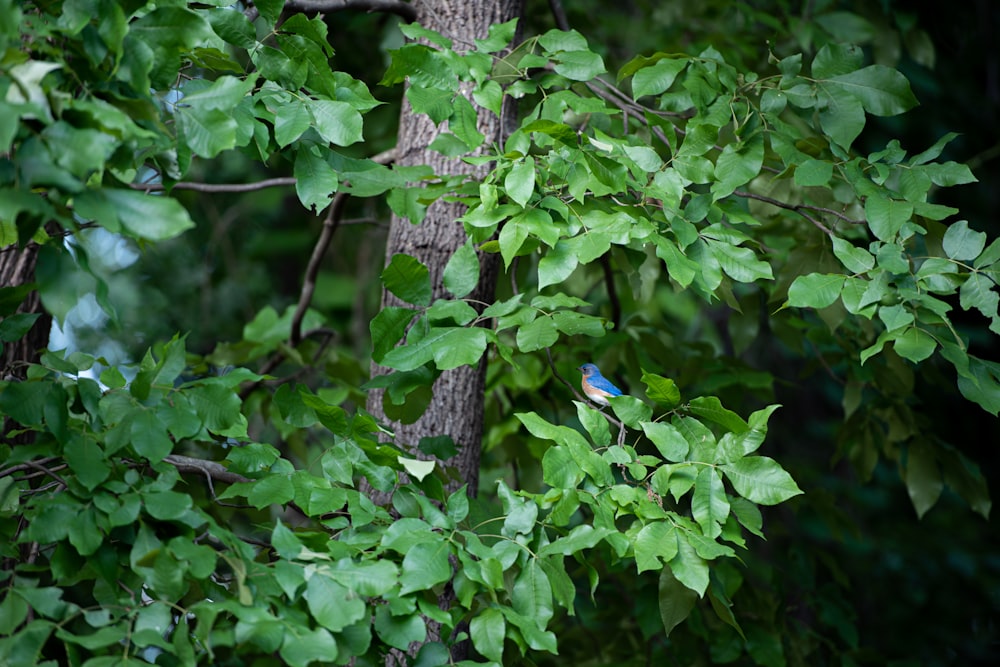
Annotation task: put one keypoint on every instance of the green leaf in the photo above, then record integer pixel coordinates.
(87, 460)
(655, 544)
(579, 65)
(409, 279)
(302, 647)
(337, 122)
(333, 605)
(448, 347)
(814, 172)
(815, 290)
(675, 600)
(144, 216)
(856, 260)
(399, 631)
(315, 180)
(532, 594)
(463, 123)
(924, 481)
(886, 216)
(914, 344)
(842, 116)
(709, 505)
(835, 59)
(657, 78)
(274, 489)
(662, 390)
(206, 131)
(688, 567)
(425, 565)
(710, 407)
(882, 90)
(761, 480)
(667, 440)
(149, 435)
(487, 630)
(961, 243)
(387, 328)
(520, 181)
(461, 274)
(416, 467)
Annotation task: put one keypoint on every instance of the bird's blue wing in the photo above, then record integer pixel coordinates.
(598, 381)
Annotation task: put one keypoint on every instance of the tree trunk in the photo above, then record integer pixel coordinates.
(456, 408)
(17, 267)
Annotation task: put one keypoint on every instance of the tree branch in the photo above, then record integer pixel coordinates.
(404, 10)
(210, 469)
(217, 187)
(797, 208)
(330, 223)
(559, 14)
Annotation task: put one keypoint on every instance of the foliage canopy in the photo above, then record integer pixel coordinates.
(200, 507)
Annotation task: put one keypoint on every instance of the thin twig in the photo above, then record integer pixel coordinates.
(217, 187)
(211, 469)
(330, 223)
(797, 208)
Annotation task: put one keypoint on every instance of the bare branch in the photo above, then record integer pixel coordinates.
(217, 187)
(797, 208)
(404, 10)
(330, 223)
(211, 469)
(559, 14)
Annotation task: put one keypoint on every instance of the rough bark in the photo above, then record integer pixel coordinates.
(17, 267)
(456, 408)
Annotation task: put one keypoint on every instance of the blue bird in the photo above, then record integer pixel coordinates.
(597, 387)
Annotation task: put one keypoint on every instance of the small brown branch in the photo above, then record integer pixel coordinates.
(609, 283)
(559, 14)
(330, 223)
(46, 471)
(796, 208)
(211, 469)
(217, 187)
(404, 10)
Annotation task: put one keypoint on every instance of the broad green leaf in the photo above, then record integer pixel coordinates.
(144, 216)
(559, 470)
(387, 329)
(333, 605)
(315, 180)
(149, 435)
(688, 567)
(914, 344)
(274, 489)
(579, 65)
(962, 243)
(815, 290)
(761, 480)
(463, 123)
(417, 468)
(657, 78)
(855, 259)
(835, 59)
(675, 600)
(532, 594)
(303, 646)
(487, 630)
(409, 279)
(709, 505)
(814, 172)
(667, 440)
(399, 631)
(206, 131)
(461, 273)
(654, 545)
(662, 390)
(886, 216)
(520, 181)
(924, 481)
(842, 116)
(448, 347)
(882, 90)
(337, 122)
(425, 565)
